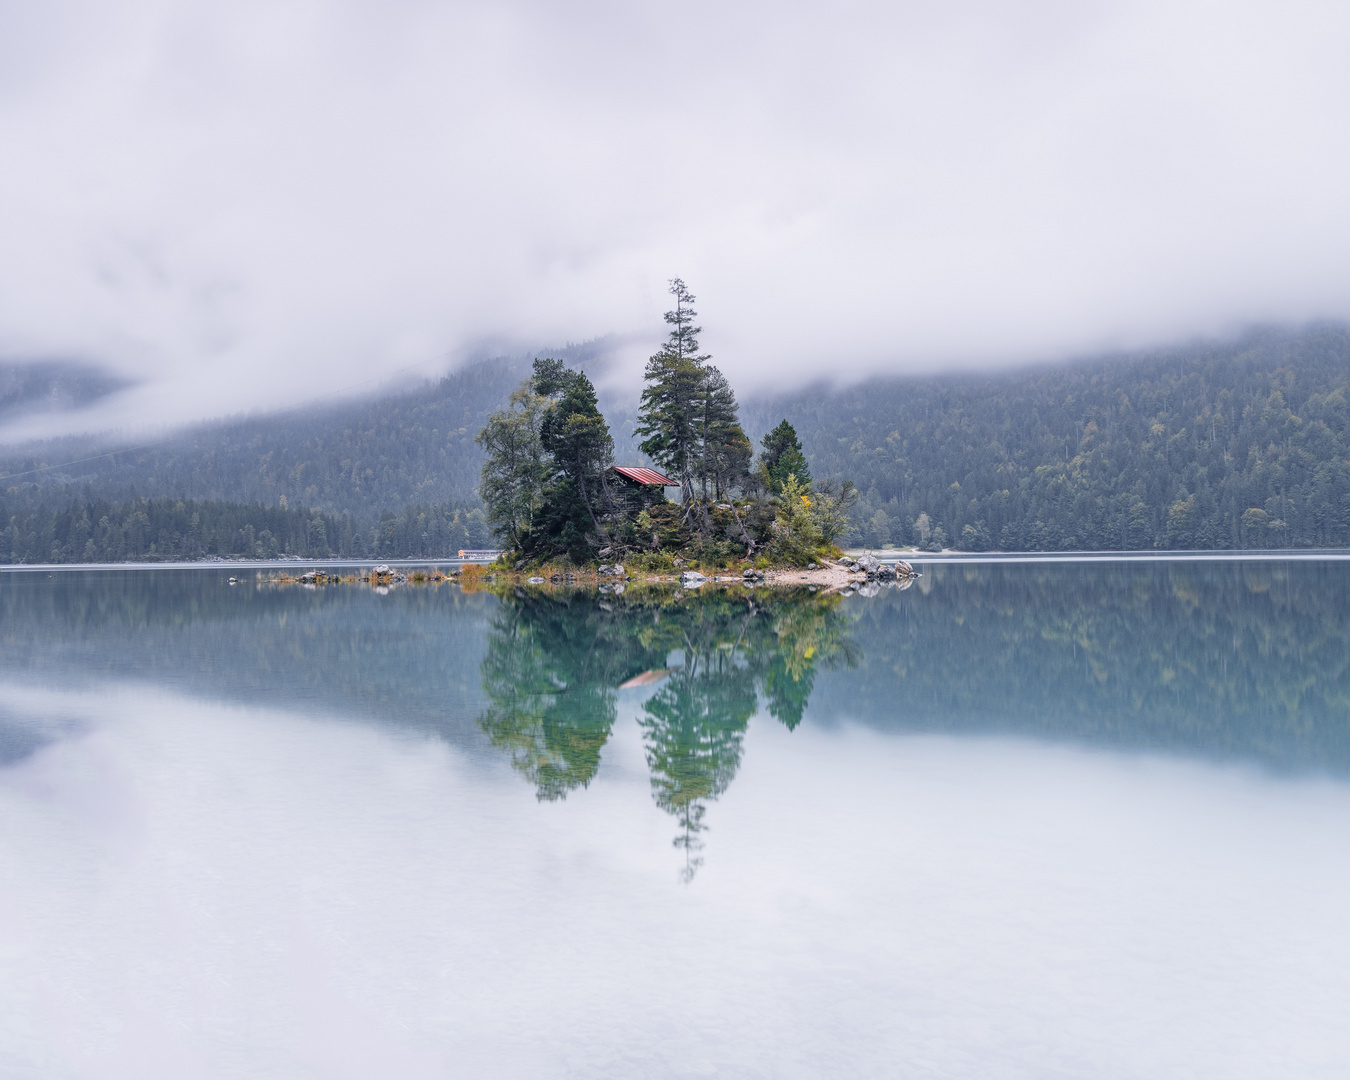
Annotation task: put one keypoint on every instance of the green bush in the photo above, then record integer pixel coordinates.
(651, 562)
(797, 535)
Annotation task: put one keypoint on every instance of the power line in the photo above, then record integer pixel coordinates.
(81, 461)
(161, 442)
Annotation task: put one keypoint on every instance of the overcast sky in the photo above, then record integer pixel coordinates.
(246, 204)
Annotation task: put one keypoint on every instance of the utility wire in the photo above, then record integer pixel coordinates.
(81, 461)
(161, 442)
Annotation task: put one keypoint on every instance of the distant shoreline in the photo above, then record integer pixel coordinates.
(917, 558)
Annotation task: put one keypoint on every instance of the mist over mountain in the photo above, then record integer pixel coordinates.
(53, 386)
(238, 204)
(360, 458)
(1223, 445)
(1244, 444)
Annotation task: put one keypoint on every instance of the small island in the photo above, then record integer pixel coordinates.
(561, 506)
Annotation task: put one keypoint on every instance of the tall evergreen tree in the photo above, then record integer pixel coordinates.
(671, 409)
(577, 439)
(688, 414)
(726, 450)
(783, 457)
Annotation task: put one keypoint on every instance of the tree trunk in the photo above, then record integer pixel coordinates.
(749, 544)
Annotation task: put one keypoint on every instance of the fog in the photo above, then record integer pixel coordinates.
(247, 205)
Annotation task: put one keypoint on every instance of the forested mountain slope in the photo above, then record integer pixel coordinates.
(358, 459)
(159, 530)
(1240, 445)
(1244, 444)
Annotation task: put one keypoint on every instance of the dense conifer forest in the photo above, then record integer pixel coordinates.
(152, 530)
(1245, 445)
(362, 458)
(1238, 445)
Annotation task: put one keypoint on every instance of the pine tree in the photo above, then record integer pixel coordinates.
(671, 410)
(688, 415)
(783, 457)
(575, 436)
(726, 450)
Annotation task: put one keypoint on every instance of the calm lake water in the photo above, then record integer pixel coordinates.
(1052, 820)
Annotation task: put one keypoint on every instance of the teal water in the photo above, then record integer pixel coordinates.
(1019, 820)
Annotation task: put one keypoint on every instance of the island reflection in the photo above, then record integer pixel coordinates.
(1232, 661)
(555, 664)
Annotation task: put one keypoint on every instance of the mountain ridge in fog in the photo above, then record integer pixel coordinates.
(53, 386)
(1244, 443)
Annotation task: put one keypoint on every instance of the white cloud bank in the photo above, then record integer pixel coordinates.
(244, 204)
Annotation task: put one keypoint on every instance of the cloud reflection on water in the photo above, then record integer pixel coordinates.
(199, 889)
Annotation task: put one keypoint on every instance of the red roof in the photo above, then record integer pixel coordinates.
(646, 476)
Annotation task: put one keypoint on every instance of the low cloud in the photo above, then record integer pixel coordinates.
(247, 205)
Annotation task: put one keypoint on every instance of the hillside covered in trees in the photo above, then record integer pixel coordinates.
(359, 458)
(1244, 445)
(158, 530)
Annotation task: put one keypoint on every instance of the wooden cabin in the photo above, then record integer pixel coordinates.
(636, 489)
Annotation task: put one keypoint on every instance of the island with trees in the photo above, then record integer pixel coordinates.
(555, 497)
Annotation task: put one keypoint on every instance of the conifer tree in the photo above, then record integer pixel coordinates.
(727, 451)
(576, 437)
(783, 457)
(688, 414)
(670, 413)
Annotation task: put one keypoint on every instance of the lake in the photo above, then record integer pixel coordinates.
(1020, 820)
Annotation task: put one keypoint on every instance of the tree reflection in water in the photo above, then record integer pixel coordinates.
(554, 665)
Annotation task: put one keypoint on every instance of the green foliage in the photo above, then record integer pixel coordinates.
(725, 450)
(650, 562)
(671, 406)
(515, 469)
(783, 457)
(578, 450)
(362, 458)
(165, 529)
(560, 482)
(797, 535)
(1166, 449)
(687, 418)
(574, 434)
(563, 528)
(431, 531)
(157, 530)
(544, 475)
(668, 416)
(1163, 449)
(667, 523)
(830, 505)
